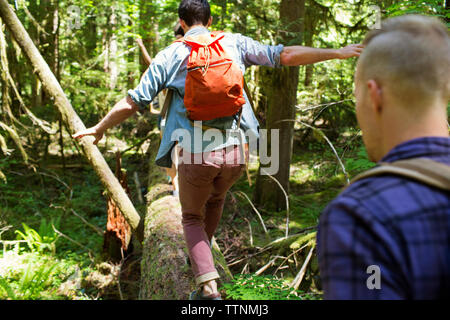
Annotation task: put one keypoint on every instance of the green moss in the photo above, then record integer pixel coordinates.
(309, 239)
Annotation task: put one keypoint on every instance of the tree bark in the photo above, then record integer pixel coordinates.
(117, 237)
(146, 19)
(113, 47)
(5, 107)
(309, 31)
(280, 87)
(73, 122)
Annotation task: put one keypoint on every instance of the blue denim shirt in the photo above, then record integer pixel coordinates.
(396, 224)
(169, 70)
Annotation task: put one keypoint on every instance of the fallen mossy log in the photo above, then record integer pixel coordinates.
(165, 272)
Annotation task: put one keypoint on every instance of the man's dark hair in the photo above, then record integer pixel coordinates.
(194, 12)
(178, 30)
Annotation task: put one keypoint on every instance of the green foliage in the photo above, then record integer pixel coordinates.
(85, 75)
(33, 276)
(37, 274)
(434, 8)
(42, 240)
(29, 203)
(34, 280)
(360, 163)
(10, 293)
(252, 287)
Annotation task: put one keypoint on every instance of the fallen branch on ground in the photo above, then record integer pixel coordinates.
(299, 277)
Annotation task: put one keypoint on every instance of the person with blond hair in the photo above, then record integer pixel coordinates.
(387, 235)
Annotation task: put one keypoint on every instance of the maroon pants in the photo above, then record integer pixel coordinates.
(203, 188)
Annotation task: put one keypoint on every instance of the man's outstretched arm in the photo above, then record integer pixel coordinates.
(299, 55)
(121, 111)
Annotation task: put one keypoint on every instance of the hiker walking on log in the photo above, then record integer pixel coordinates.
(205, 70)
(387, 235)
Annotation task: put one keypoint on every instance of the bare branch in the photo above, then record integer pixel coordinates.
(70, 239)
(254, 208)
(268, 265)
(326, 105)
(96, 229)
(287, 201)
(250, 230)
(329, 143)
(287, 258)
(299, 277)
(13, 134)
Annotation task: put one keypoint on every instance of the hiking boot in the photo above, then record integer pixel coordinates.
(196, 295)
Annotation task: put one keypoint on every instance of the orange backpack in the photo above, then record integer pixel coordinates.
(214, 83)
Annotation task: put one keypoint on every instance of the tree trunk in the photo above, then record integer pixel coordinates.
(117, 237)
(165, 273)
(105, 49)
(309, 31)
(280, 88)
(5, 107)
(57, 73)
(114, 73)
(73, 122)
(131, 56)
(90, 37)
(146, 19)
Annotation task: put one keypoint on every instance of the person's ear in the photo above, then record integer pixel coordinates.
(375, 94)
(183, 25)
(210, 21)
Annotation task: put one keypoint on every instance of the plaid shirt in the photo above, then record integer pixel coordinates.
(397, 225)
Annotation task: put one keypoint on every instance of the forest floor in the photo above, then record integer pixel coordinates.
(66, 262)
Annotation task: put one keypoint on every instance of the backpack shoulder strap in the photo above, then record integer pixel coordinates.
(423, 170)
(167, 102)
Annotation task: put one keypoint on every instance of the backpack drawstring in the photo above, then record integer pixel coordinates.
(208, 59)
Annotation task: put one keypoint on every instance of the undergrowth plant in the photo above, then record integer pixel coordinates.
(35, 279)
(42, 240)
(264, 287)
(34, 272)
(360, 163)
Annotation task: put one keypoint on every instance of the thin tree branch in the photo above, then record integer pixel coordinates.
(287, 201)
(254, 208)
(70, 239)
(329, 143)
(299, 277)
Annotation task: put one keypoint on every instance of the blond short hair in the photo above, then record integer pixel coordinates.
(411, 55)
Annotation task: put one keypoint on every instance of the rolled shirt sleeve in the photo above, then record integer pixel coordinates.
(153, 81)
(256, 53)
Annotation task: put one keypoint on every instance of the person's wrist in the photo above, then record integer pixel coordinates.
(99, 129)
(339, 53)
